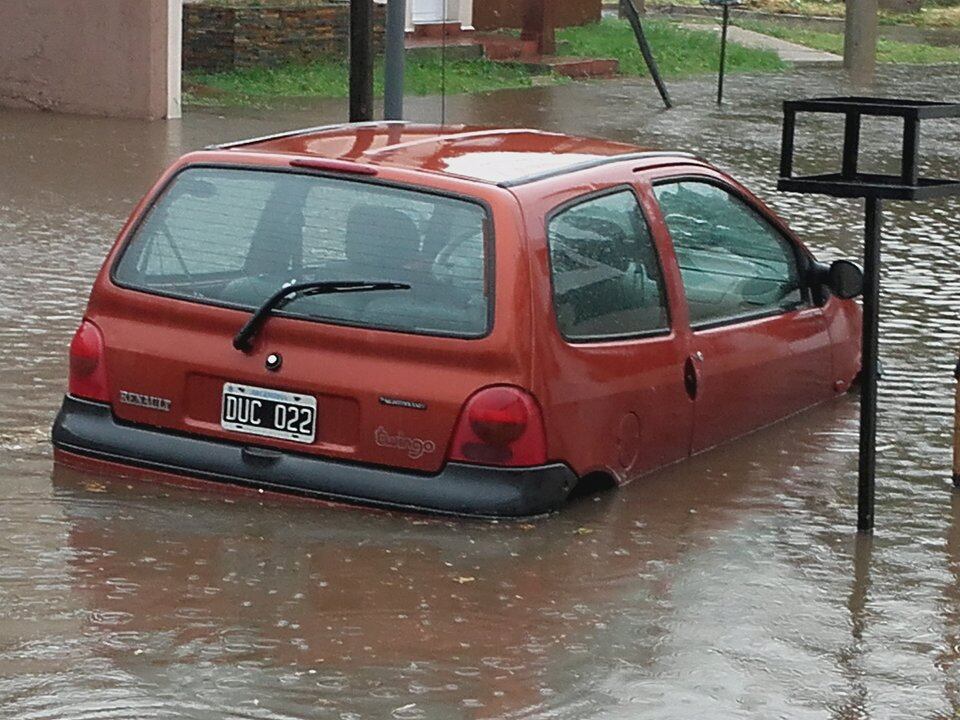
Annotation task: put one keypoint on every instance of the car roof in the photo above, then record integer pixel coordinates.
(502, 156)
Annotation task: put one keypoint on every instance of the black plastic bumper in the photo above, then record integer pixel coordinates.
(89, 428)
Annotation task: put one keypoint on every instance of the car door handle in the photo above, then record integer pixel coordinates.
(691, 375)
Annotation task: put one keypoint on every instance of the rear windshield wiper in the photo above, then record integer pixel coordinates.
(243, 340)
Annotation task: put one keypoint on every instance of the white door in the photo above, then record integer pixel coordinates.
(429, 11)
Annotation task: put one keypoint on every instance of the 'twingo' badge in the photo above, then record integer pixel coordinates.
(414, 447)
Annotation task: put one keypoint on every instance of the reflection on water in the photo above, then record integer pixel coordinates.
(731, 585)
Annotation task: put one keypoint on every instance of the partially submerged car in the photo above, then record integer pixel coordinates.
(454, 319)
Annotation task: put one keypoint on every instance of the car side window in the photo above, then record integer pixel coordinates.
(734, 263)
(607, 281)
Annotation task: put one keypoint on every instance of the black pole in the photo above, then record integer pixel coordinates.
(630, 10)
(956, 427)
(394, 59)
(851, 146)
(723, 53)
(870, 364)
(361, 60)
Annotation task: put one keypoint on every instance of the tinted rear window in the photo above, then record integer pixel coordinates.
(235, 236)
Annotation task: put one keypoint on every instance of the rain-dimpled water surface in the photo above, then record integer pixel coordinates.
(728, 586)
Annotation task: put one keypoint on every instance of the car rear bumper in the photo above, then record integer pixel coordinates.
(90, 429)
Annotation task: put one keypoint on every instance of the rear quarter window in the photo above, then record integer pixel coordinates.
(235, 236)
(606, 276)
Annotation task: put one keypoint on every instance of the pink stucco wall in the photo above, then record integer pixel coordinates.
(94, 57)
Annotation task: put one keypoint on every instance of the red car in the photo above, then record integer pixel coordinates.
(461, 320)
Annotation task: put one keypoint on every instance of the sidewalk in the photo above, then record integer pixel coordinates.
(788, 51)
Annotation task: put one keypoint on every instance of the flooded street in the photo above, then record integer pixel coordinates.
(729, 586)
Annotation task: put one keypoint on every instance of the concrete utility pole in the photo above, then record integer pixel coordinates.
(860, 40)
(174, 60)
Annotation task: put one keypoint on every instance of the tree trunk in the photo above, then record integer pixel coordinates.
(860, 40)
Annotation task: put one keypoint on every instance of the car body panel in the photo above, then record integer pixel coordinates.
(623, 404)
(481, 154)
(182, 351)
(752, 372)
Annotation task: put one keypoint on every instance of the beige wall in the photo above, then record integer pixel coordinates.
(95, 57)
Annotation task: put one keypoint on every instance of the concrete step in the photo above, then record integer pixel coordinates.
(454, 51)
(493, 47)
(573, 67)
(497, 47)
(505, 48)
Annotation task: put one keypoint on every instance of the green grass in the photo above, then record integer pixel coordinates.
(679, 52)
(329, 79)
(933, 13)
(888, 51)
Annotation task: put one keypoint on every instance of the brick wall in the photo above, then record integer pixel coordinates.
(218, 38)
(493, 14)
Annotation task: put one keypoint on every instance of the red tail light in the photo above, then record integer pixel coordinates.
(88, 373)
(500, 426)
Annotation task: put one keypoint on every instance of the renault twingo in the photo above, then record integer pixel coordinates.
(453, 319)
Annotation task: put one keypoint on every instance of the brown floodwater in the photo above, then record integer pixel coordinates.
(728, 586)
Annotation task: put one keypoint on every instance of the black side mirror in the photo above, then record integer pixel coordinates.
(845, 279)
(842, 277)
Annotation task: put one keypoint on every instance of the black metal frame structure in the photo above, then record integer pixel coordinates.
(849, 182)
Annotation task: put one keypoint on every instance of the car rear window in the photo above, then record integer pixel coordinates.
(234, 237)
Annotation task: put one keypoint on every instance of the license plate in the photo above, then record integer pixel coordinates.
(269, 413)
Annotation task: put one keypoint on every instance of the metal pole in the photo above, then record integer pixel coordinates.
(395, 59)
(911, 144)
(634, 17)
(361, 60)
(870, 364)
(851, 146)
(723, 52)
(956, 429)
